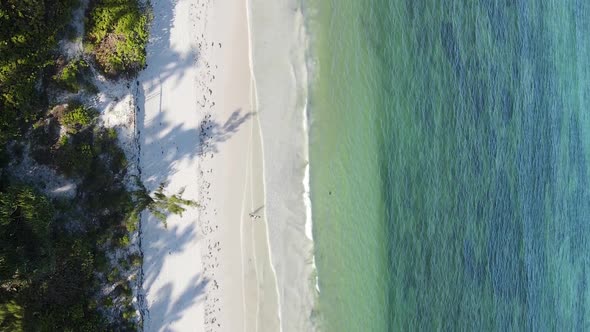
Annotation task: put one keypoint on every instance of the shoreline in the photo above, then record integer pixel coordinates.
(279, 45)
(254, 94)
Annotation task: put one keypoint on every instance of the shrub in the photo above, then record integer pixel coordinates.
(106, 143)
(127, 291)
(44, 135)
(136, 260)
(63, 141)
(123, 292)
(124, 241)
(72, 77)
(74, 155)
(101, 263)
(132, 221)
(124, 263)
(77, 117)
(118, 32)
(11, 316)
(129, 313)
(114, 275)
(108, 302)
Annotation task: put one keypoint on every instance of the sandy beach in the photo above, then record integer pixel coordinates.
(199, 129)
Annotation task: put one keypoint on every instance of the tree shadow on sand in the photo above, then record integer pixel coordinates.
(176, 143)
(170, 241)
(164, 146)
(161, 242)
(167, 307)
(173, 309)
(169, 63)
(216, 132)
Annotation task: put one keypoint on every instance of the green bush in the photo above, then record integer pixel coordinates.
(105, 142)
(132, 221)
(127, 291)
(108, 302)
(73, 76)
(44, 135)
(129, 313)
(113, 275)
(101, 263)
(11, 316)
(136, 260)
(118, 33)
(124, 241)
(77, 117)
(63, 141)
(124, 263)
(74, 156)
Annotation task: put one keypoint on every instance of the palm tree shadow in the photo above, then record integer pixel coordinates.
(163, 60)
(173, 308)
(214, 133)
(159, 243)
(163, 147)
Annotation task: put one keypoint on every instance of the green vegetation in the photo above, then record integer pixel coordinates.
(28, 36)
(136, 260)
(78, 117)
(46, 275)
(51, 251)
(74, 76)
(11, 316)
(159, 204)
(117, 34)
(24, 231)
(56, 262)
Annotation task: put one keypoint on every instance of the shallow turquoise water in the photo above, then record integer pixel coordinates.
(449, 153)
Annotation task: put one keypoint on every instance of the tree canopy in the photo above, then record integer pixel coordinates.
(29, 32)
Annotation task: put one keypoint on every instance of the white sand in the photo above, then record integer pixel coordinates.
(201, 121)
(168, 118)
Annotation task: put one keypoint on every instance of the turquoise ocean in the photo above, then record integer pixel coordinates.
(449, 164)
